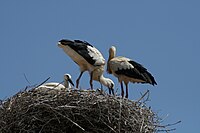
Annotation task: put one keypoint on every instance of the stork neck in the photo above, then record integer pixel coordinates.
(66, 84)
(102, 80)
(111, 54)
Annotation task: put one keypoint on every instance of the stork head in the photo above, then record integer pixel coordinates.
(64, 42)
(112, 51)
(67, 77)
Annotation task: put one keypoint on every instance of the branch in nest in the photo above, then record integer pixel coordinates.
(43, 82)
(147, 92)
(165, 126)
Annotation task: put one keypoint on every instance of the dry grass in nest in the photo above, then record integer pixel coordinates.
(74, 111)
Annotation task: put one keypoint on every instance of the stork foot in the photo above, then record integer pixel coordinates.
(122, 94)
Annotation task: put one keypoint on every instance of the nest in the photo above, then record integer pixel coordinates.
(74, 111)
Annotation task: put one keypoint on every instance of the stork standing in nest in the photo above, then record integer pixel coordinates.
(89, 59)
(127, 70)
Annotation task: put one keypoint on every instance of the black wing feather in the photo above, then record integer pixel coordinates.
(143, 71)
(138, 72)
(81, 48)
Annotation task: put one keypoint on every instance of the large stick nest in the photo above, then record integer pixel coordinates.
(74, 111)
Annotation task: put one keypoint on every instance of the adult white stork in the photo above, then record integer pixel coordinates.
(127, 70)
(57, 86)
(89, 59)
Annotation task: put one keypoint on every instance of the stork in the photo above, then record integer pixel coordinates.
(127, 70)
(89, 59)
(58, 86)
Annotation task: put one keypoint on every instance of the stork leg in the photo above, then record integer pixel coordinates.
(77, 81)
(100, 83)
(126, 90)
(111, 90)
(122, 90)
(101, 87)
(91, 84)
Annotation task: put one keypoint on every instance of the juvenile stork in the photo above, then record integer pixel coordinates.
(58, 86)
(127, 70)
(89, 59)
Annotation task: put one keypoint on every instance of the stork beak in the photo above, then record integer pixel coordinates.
(60, 44)
(70, 81)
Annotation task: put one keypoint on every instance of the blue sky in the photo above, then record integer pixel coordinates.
(161, 35)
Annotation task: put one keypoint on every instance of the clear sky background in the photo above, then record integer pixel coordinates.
(163, 35)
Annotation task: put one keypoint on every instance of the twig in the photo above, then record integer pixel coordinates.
(162, 119)
(165, 126)
(110, 127)
(169, 124)
(26, 78)
(142, 125)
(142, 96)
(43, 82)
(166, 130)
(63, 116)
(70, 120)
(45, 125)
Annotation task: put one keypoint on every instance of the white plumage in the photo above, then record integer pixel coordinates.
(127, 70)
(57, 86)
(89, 59)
